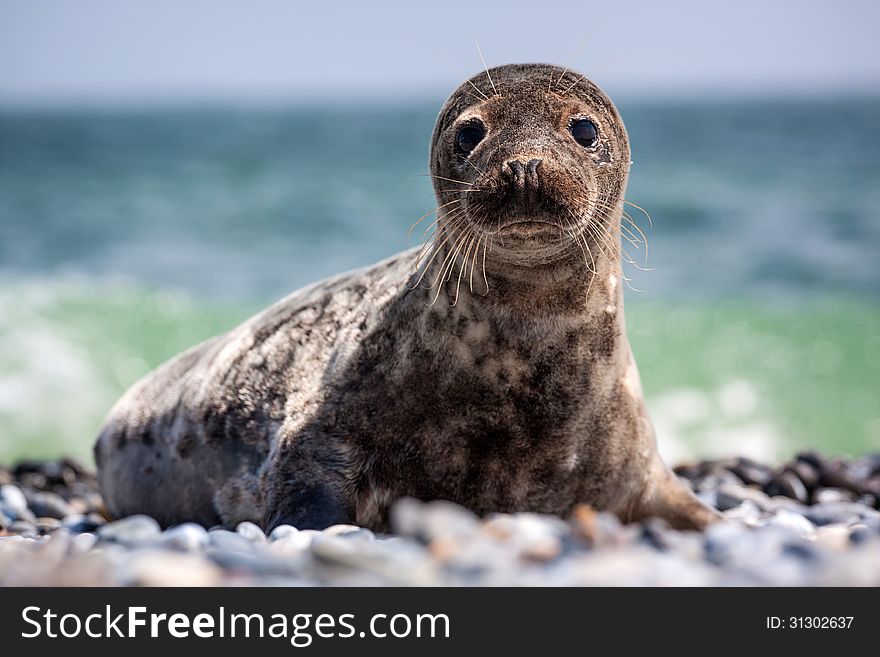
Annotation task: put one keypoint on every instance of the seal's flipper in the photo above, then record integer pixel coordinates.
(669, 498)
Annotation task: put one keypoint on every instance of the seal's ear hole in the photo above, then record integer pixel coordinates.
(468, 136)
(584, 132)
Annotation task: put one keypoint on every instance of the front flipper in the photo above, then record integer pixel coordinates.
(667, 497)
(315, 505)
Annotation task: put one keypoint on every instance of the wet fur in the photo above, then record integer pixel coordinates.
(520, 394)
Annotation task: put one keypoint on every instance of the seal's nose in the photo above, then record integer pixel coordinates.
(524, 174)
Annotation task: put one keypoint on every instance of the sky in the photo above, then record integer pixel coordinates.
(105, 52)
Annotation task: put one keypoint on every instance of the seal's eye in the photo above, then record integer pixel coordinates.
(584, 132)
(468, 137)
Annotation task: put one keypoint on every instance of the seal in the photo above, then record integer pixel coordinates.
(490, 368)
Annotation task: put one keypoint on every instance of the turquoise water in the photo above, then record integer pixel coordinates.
(126, 237)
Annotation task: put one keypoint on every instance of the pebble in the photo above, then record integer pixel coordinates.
(251, 532)
(824, 495)
(13, 500)
(282, 531)
(131, 531)
(81, 523)
(160, 568)
(24, 528)
(835, 537)
(810, 521)
(230, 541)
(793, 521)
(48, 505)
(292, 543)
(349, 532)
(185, 537)
(82, 543)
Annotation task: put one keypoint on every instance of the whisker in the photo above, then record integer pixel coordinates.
(479, 91)
(474, 262)
(483, 59)
(584, 77)
(436, 250)
(567, 66)
(485, 278)
(475, 167)
(428, 214)
(463, 263)
(431, 175)
(446, 270)
(645, 212)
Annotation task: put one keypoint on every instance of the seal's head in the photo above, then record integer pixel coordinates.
(529, 154)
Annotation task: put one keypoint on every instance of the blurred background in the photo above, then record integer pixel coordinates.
(168, 168)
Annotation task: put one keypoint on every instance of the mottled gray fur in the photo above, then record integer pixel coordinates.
(492, 370)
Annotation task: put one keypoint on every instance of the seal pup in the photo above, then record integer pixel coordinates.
(490, 368)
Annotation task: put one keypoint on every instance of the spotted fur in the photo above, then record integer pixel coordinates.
(517, 394)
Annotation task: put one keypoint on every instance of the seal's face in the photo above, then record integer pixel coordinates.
(529, 153)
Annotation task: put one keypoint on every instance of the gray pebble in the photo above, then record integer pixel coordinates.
(282, 531)
(432, 520)
(823, 495)
(24, 529)
(828, 513)
(248, 563)
(251, 532)
(793, 521)
(13, 500)
(350, 532)
(727, 498)
(131, 531)
(230, 541)
(82, 543)
(187, 537)
(747, 512)
(294, 543)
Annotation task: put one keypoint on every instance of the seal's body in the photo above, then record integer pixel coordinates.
(497, 376)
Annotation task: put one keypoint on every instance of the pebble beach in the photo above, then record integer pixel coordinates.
(812, 521)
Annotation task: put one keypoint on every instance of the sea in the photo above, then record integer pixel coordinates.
(129, 235)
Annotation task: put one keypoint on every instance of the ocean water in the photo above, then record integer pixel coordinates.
(126, 237)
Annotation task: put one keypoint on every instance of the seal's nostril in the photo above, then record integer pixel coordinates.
(519, 174)
(532, 166)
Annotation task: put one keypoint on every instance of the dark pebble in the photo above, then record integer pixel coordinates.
(787, 483)
(654, 532)
(78, 524)
(813, 458)
(48, 505)
(726, 499)
(808, 473)
(837, 476)
(752, 473)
